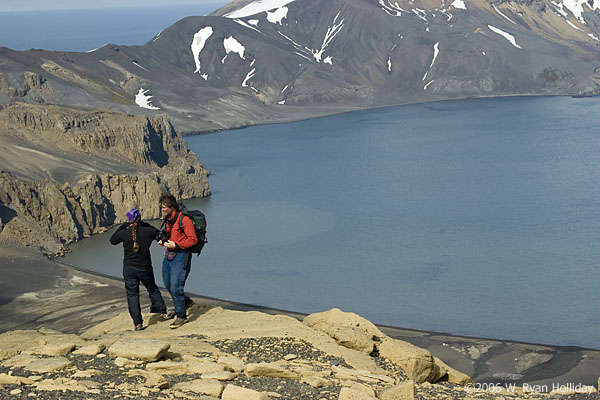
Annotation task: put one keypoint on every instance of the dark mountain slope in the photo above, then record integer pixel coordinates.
(287, 60)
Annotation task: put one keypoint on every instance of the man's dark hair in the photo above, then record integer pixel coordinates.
(169, 200)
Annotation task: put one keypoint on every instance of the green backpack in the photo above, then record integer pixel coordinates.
(199, 220)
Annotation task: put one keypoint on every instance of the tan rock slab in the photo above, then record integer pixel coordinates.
(454, 376)
(220, 376)
(55, 349)
(127, 363)
(86, 373)
(315, 381)
(90, 350)
(209, 387)
(231, 363)
(348, 329)
(347, 393)
(14, 342)
(189, 365)
(402, 391)
(60, 384)
(45, 365)
(418, 364)
(273, 370)
(139, 348)
(232, 392)
(20, 361)
(151, 379)
(6, 379)
(354, 374)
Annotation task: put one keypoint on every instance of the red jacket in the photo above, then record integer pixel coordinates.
(183, 240)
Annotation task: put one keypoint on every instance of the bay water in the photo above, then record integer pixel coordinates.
(88, 29)
(470, 217)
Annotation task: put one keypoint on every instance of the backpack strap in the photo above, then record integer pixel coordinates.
(180, 221)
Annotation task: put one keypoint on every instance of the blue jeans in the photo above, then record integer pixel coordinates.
(175, 272)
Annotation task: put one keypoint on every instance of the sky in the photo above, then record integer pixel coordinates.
(42, 5)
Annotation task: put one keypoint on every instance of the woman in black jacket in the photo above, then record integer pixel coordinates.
(137, 236)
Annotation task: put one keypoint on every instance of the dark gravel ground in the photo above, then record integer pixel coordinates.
(270, 349)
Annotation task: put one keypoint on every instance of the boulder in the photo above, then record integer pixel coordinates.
(232, 392)
(209, 387)
(348, 329)
(141, 349)
(418, 364)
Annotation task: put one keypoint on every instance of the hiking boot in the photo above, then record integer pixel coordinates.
(188, 304)
(139, 327)
(178, 322)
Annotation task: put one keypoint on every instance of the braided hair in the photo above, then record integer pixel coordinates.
(134, 233)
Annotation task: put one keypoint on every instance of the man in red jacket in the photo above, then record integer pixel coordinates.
(177, 261)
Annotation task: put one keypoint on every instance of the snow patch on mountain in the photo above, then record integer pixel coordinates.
(276, 16)
(576, 7)
(500, 12)
(257, 7)
(246, 25)
(392, 9)
(143, 100)
(459, 4)
(232, 45)
(436, 51)
(249, 76)
(506, 35)
(332, 31)
(198, 43)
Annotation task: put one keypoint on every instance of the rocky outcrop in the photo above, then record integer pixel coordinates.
(134, 158)
(219, 353)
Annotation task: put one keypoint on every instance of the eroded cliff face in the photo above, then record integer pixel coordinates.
(77, 172)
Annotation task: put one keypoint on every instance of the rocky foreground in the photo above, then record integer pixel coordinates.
(235, 355)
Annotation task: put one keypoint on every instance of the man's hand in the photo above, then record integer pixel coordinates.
(169, 244)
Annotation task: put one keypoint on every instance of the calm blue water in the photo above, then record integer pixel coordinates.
(476, 217)
(83, 30)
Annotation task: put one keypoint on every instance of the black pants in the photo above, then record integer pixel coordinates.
(133, 276)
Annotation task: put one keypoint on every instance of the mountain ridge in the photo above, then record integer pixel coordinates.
(303, 58)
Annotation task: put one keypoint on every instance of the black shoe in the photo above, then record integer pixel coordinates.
(139, 327)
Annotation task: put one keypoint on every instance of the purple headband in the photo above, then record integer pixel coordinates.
(133, 214)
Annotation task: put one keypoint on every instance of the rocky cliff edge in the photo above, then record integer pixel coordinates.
(67, 173)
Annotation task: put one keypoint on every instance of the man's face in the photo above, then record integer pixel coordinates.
(166, 211)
